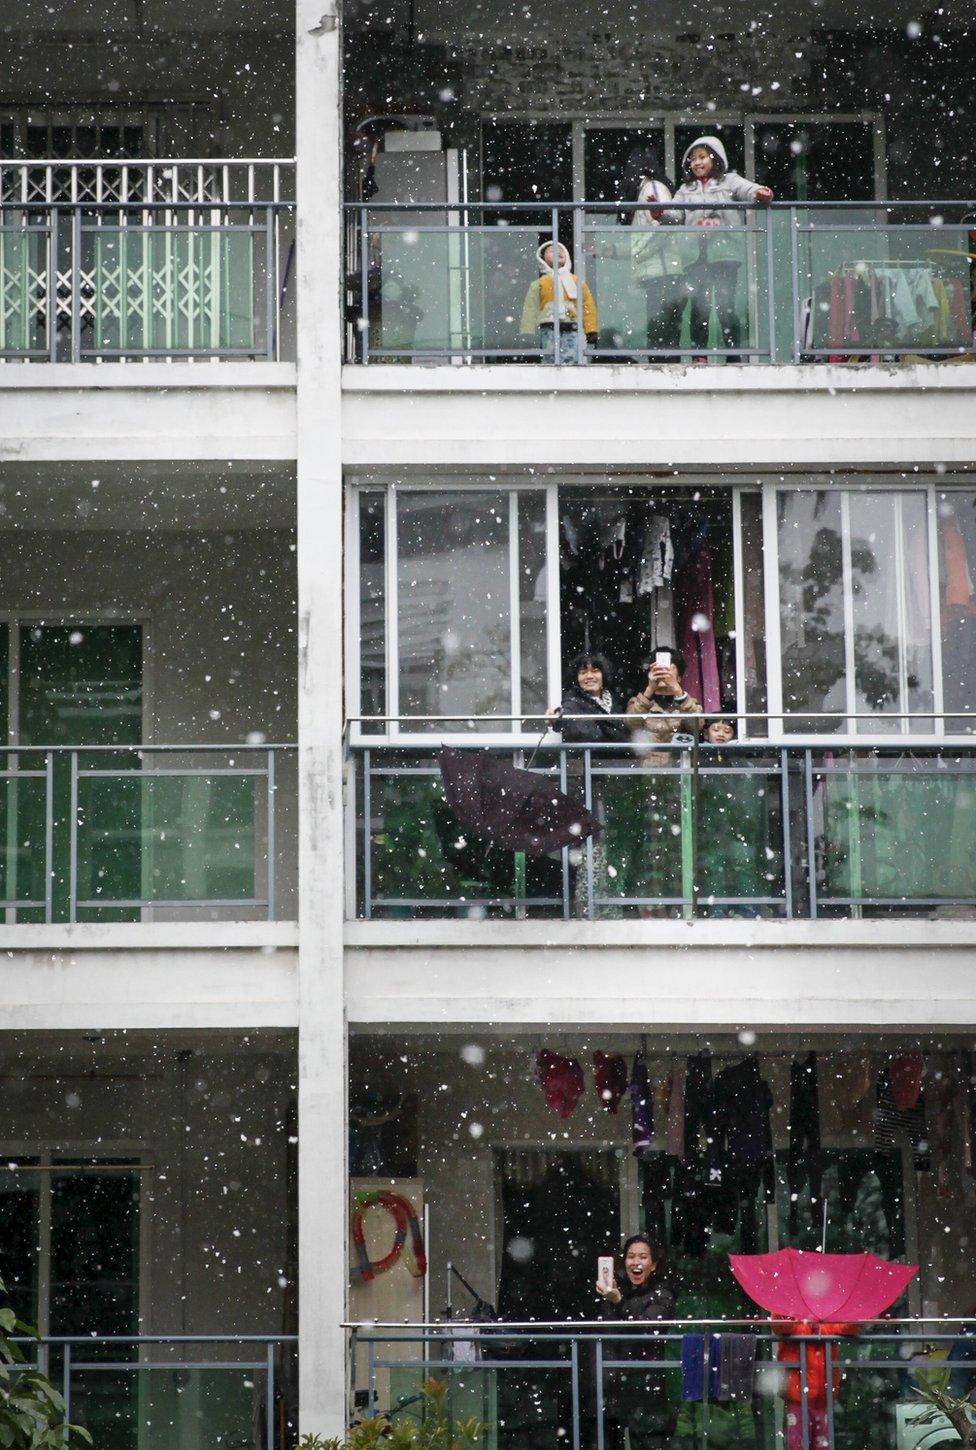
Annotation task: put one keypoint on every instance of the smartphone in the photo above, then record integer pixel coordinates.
(662, 657)
(604, 1271)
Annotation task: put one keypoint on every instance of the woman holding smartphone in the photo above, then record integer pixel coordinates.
(636, 1401)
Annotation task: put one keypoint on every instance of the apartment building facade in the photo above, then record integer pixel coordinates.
(292, 496)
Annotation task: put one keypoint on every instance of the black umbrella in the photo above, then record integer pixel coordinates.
(513, 808)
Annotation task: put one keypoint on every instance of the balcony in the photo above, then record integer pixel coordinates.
(842, 282)
(547, 1384)
(148, 832)
(174, 1391)
(779, 830)
(550, 1384)
(135, 260)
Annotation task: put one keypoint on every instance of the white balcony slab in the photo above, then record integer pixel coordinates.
(179, 410)
(149, 975)
(733, 416)
(663, 974)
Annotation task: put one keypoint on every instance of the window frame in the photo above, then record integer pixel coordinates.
(391, 490)
(47, 1159)
(930, 488)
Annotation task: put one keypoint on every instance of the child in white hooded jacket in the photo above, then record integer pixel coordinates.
(712, 279)
(706, 177)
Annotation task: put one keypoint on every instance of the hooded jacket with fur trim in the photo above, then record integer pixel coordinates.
(722, 186)
(538, 309)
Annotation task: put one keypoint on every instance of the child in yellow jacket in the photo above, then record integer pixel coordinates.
(538, 314)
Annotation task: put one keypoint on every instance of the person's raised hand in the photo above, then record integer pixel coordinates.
(611, 1295)
(663, 680)
(764, 193)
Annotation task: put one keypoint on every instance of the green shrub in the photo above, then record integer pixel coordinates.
(32, 1413)
(434, 1432)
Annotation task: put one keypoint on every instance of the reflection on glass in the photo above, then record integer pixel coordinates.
(956, 514)
(453, 603)
(855, 616)
(372, 607)
(898, 831)
(452, 291)
(811, 591)
(884, 288)
(890, 608)
(532, 604)
(753, 609)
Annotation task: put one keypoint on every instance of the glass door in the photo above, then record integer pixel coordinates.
(611, 160)
(81, 684)
(70, 1256)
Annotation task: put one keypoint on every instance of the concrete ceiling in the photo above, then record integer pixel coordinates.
(153, 496)
(118, 19)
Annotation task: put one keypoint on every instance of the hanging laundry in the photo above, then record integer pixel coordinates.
(657, 555)
(641, 1106)
(739, 1156)
(689, 1223)
(700, 678)
(561, 1079)
(894, 1125)
(905, 1080)
(611, 1079)
(675, 1141)
(804, 1156)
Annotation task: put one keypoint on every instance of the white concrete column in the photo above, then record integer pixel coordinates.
(322, 1067)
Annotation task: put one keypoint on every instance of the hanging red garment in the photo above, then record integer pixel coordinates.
(958, 581)
(697, 614)
(841, 307)
(788, 1353)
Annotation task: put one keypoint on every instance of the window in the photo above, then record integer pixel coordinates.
(453, 593)
(855, 612)
(956, 515)
(70, 1260)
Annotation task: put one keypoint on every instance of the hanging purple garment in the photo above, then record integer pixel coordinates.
(641, 1105)
(700, 678)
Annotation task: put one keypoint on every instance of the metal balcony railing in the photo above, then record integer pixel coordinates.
(111, 833)
(781, 828)
(582, 1386)
(235, 1391)
(791, 282)
(135, 260)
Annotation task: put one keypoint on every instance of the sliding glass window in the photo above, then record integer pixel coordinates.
(855, 610)
(453, 626)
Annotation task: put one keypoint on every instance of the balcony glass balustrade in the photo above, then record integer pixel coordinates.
(778, 830)
(585, 1385)
(174, 1392)
(793, 282)
(111, 833)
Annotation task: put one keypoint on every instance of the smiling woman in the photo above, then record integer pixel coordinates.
(637, 1401)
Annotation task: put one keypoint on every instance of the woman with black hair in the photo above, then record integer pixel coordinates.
(587, 693)
(636, 1401)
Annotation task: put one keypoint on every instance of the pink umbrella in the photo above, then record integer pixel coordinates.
(821, 1287)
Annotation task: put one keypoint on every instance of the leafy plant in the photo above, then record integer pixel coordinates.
(435, 1430)
(32, 1413)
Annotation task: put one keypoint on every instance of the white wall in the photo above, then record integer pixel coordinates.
(214, 1126)
(219, 654)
